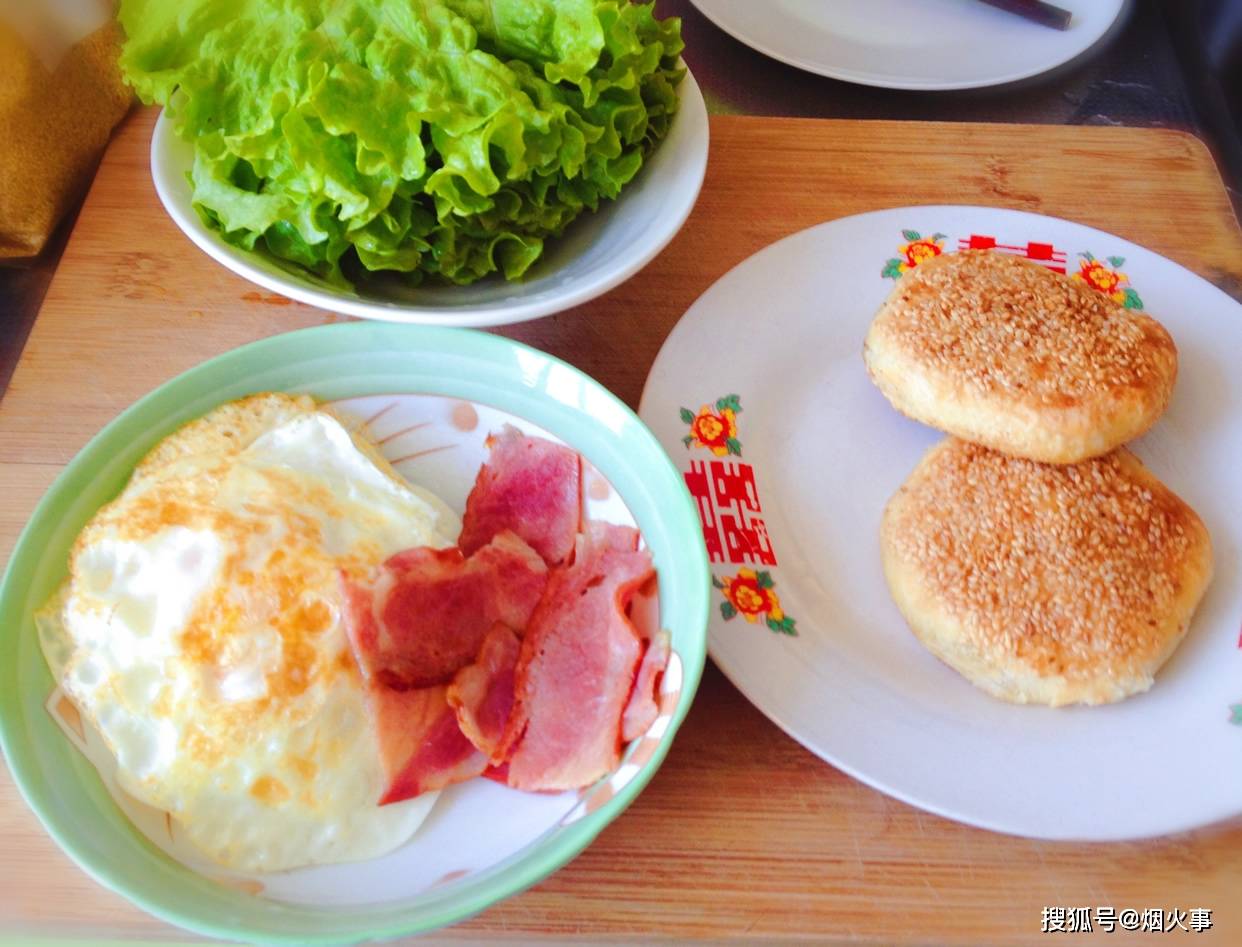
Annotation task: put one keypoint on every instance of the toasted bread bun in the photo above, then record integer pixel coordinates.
(1008, 354)
(1044, 584)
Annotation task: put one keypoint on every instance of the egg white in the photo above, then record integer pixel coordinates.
(205, 637)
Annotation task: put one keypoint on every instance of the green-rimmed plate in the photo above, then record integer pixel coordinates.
(430, 395)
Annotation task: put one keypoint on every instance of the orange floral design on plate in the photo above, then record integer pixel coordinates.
(1106, 277)
(753, 595)
(714, 426)
(917, 249)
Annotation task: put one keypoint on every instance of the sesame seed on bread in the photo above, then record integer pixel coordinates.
(1040, 583)
(1006, 353)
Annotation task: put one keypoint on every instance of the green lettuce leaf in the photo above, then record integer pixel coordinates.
(442, 139)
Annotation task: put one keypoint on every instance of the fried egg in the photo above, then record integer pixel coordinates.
(201, 633)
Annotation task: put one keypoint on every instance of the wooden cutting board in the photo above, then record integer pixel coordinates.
(742, 834)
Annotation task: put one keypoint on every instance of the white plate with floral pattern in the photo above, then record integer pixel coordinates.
(761, 398)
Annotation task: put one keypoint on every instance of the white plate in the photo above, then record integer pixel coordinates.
(911, 44)
(596, 253)
(821, 453)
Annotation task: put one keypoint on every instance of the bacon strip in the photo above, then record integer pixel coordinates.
(482, 693)
(531, 486)
(577, 667)
(643, 709)
(421, 746)
(429, 610)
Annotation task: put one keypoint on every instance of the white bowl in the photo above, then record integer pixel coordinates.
(596, 253)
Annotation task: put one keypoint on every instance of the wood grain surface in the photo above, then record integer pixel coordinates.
(742, 834)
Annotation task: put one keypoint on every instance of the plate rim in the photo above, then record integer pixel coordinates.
(884, 81)
(692, 105)
(452, 906)
(735, 676)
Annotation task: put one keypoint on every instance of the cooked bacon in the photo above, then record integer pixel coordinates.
(498, 774)
(429, 610)
(513, 655)
(642, 709)
(482, 693)
(358, 616)
(421, 746)
(577, 666)
(531, 486)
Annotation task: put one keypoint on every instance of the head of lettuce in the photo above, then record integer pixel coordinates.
(441, 139)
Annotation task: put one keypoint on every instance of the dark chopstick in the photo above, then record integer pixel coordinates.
(1037, 11)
